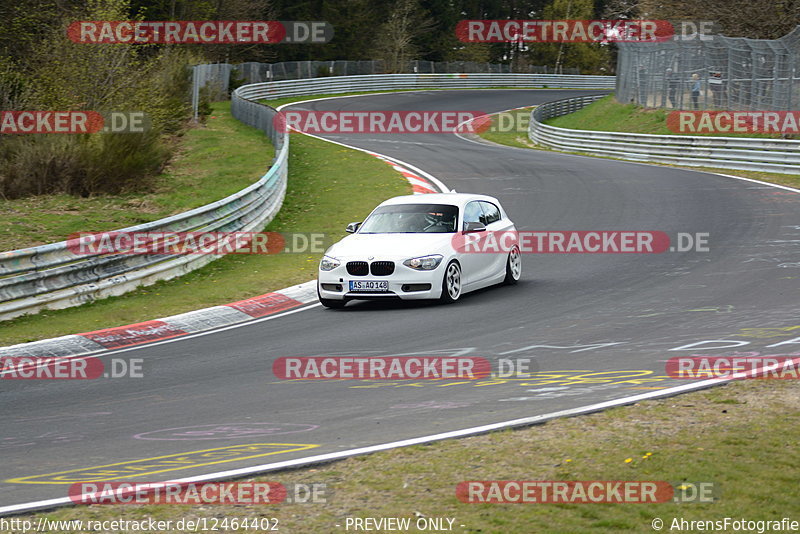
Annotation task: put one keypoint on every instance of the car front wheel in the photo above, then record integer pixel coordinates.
(451, 284)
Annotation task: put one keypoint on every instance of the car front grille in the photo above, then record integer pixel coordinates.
(357, 268)
(382, 268)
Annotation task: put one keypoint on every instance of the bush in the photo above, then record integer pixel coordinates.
(38, 165)
(62, 75)
(204, 108)
(81, 165)
(235, 81)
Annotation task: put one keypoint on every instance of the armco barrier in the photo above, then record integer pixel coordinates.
(386, 82)
(52, 277)
(754, 154)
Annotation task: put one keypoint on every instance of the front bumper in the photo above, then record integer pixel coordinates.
(404, 283)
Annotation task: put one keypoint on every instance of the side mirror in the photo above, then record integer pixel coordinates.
(474, 227)
(352, 227)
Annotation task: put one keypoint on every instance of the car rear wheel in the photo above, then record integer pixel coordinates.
(513, 266)
(451, 284)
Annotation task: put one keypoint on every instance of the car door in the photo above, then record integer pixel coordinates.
(475, 266)
(498, 226)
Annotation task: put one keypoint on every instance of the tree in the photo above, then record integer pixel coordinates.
(754, 19)
(396, 39)
(588, 57)
(58, 74)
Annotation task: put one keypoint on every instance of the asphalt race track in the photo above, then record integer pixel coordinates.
(598, 327)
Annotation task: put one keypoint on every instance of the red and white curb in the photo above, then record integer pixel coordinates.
(420, 184)
(206, 319)
(261, 307)
(421, 181)
(168, 327)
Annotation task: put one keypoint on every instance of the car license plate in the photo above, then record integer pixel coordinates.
(371, 286)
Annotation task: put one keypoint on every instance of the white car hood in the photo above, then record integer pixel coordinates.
(391, 246)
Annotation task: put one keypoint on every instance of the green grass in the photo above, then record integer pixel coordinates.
(742, 437)
(206, 168)
(608, 115)
(510, 128)
(329, 186)
(213, 161)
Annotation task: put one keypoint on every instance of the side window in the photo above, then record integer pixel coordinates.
(473, 213)
(492, 212)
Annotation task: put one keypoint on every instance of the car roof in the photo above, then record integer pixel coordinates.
(456, 199)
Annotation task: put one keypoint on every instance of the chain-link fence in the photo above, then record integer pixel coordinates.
(731, 73)
(215, 81)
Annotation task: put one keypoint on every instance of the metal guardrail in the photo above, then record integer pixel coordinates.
(215, 78)
(382, 82)
(52, 277)
(741, 153)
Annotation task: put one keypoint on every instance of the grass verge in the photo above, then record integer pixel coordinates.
(498, 130)
(608, 115)
(213, 161)
(741, 437)
(329, 186)
(518, 137)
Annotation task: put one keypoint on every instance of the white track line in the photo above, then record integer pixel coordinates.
(442, 187)
(619, 160)
(106, 352)
(113, 352)
(321, 458)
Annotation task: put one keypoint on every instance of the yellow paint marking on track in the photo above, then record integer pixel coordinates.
(162, 464)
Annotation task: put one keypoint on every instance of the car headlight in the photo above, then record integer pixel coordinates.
(424, 263)
(328, 263)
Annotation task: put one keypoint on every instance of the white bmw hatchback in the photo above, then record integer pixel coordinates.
(407, 248)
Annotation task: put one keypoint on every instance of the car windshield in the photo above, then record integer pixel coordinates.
(411, 219)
